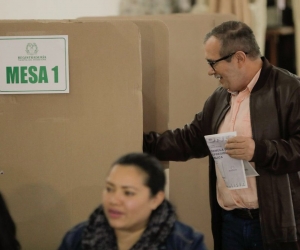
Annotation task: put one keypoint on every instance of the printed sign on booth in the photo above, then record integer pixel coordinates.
(34, 65)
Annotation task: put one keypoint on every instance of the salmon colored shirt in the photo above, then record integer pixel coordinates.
(238, 119)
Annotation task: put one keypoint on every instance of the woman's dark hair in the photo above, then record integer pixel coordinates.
(8, 239)
(235, 36)
(156, 178)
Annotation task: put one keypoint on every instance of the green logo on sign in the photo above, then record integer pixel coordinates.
(31, 49)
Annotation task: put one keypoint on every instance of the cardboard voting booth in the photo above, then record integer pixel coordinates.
(56, 149)
(126, 75)
(188, 87)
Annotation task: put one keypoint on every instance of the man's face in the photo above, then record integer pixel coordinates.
(226, 72)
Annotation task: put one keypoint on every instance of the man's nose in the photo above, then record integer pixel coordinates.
(211, 70)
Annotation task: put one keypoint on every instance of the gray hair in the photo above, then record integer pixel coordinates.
(235, 36)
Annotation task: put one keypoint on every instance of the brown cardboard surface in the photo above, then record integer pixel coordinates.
(155, 63)
(189, 87)
(155, 68)
(56, 149)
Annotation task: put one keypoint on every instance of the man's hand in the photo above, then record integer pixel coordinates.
(240, 147)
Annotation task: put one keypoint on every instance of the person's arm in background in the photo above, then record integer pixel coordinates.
(179, 144)
(189, 142)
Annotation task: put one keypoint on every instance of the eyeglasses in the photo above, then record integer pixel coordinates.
(212, 63)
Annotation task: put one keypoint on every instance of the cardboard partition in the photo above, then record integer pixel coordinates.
(155, 69)
(56, 149)
(189, 87)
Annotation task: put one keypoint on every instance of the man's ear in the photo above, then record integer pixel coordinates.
(157, 199)
(241, 56)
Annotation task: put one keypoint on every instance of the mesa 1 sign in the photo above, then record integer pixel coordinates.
(37, 64)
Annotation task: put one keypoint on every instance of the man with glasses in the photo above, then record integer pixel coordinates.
(261, 103)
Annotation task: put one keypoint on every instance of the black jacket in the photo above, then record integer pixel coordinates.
(275, 121)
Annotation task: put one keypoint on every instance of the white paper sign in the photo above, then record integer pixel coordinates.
(34, 64)
(232, 170)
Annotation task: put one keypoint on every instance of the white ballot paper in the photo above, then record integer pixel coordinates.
(249, 170)
(232, 170)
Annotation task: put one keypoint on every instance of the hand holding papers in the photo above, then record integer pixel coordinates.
(232, 170)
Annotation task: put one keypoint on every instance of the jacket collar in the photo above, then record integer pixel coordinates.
(264, 75)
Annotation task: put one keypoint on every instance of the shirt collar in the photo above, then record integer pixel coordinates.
(250, 86)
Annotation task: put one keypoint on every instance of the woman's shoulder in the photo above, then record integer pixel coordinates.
(72, 239)
(184, 237)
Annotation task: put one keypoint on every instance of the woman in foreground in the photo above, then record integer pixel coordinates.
(135, 214)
